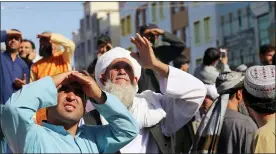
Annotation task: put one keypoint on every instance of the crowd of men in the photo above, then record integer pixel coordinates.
(133, 102)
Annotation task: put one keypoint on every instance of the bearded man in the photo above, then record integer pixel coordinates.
(159, 115)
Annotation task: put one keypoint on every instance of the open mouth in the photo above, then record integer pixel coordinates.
(69, 107)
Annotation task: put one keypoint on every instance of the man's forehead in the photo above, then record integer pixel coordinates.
(119, 60)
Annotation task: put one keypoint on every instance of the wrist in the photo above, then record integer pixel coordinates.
(99, 96)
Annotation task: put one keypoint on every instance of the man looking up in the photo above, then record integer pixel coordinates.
(54, 60)
(65, 96)
(27, 51)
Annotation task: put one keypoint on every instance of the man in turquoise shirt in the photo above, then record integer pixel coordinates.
(64, 98)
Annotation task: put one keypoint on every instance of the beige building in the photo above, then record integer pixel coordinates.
(99, 18)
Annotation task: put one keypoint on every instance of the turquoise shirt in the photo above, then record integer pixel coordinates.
(24, 136)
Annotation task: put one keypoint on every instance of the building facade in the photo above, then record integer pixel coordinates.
(243, 28)
(99, 18)
(135, 14)
(169, 16)
(202, 30)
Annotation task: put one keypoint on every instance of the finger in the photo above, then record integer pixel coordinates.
(137, 44)
(140, 39)
(25, 77)
(147, 42)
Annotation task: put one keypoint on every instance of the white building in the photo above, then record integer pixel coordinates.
(202, 30)
(99, 18)
(135, 14)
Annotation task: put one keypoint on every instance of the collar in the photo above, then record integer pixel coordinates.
(60, 129)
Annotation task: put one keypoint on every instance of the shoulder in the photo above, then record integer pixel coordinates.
(240, 120)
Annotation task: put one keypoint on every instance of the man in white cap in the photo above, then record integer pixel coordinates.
(259, 95)
(118, 72)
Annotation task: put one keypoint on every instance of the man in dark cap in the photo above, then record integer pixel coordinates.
(259, 95)
(165, 53)
(103, 45)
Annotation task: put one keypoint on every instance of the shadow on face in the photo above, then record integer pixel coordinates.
(267, 58)
(70, 107)
(120, 71)
(13, 43)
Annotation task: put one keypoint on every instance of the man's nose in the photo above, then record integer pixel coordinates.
(70, 97)
(122, 71)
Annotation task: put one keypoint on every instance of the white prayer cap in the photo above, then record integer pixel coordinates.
(107, 58)
(212, 91)
(241, 68)
(260, 81)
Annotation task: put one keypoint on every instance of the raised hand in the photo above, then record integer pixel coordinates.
(13, 33)
(62, 79)
(45, 36)
(145, 55)
(89, 86)
(155, 31)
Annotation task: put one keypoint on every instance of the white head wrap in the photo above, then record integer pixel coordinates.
(106, 59)
(212, 91)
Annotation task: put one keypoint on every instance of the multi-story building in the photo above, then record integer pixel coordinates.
(135, 14)
(237, 33)
(99, 18)
(169, 16)
(202, 30)
(243, 28)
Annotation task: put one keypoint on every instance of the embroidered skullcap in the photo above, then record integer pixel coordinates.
(229, 80)
(260, 81)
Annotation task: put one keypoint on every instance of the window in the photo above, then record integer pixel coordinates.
(129, 25)
(248, 13)
(181, 3)
(153, 12)
(240, 19)
(87, 22)
(207, 29)
(123, 33)
(161, 9)
(89, 46)
(263, 25)
(231, 23)
(198, 62)
(184, 34)
(197, 32)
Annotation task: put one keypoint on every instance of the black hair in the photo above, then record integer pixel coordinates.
(16, 30)
(31, 42)
(145, 27)
(266, 49)
(211, 55)
(273, 60)
(103, 39)
(91, 67)
(260, 105)
(181, 60)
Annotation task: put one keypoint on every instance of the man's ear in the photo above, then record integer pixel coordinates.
(239, 94)
(136, 80)
(103, 78)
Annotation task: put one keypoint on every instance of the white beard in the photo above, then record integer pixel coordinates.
(125, 93)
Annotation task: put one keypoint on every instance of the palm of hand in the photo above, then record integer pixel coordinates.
(145, 55)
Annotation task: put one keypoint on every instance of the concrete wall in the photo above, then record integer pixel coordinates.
(198, 13)
(129, 8)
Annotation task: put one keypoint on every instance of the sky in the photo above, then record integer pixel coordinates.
(32, 18)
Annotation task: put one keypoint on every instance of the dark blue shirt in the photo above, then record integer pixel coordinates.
(10, 70)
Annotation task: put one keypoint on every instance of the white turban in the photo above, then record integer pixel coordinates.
(106, 59)
(212, 91)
